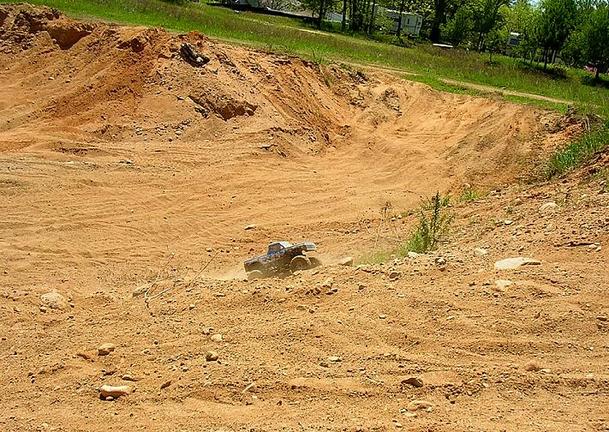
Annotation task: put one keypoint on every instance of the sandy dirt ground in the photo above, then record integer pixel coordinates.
(128, 176)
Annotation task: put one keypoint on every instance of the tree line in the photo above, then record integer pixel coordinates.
(576, 31)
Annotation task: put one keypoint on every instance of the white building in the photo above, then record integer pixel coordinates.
(411, 23)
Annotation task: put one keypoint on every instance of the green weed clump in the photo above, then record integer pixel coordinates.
(434, 222)
(469, 194)
(579, 152)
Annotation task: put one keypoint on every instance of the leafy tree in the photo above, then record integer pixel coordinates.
(554, 25)
(457, 29)
(439, 17)
(486, 16)
(521, 18)
(595, 37)
(495, 40)
(321, 7)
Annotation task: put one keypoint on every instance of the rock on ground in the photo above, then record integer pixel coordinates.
(514, 263)
(54, 300)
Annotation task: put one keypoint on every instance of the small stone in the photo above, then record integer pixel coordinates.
(113, 391)
(191, 306)
(502, 284)
(602, 318)
(249, 227)
(109, 398)
(217, 337)
(54, 300)
(43, 309)
(549, 207)
(532, 366)
(508, 222)
(140, 290)
(514, 263)
(394, 275)
(105, 349)
(334, 359)
(328, 283)
(413, 381)
(382, 316)
(84, 356)
(127, 377)
(480, 252)
(413, 255)
(211, 356)
(165, 384)
(347, 261)
(441, 261)
(418, 405)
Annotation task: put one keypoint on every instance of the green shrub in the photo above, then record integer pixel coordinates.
(434, 223)
(578, 152)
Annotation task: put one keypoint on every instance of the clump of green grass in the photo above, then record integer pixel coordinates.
(434, 222)
(469, 194)
(579, 152)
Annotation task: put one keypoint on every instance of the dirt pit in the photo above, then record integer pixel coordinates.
(124, 170)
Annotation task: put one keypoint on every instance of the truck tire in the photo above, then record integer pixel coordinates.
(255, 275)
(300, 262)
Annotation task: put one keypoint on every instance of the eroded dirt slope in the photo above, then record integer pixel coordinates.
(122, 166)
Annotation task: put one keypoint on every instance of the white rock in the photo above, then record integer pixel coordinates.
(113, 391)
(217, 337)
(503, 284)
(211, 356)
(346, 261)
(328, 283)
(54, 300)
(334, 359)
(549, 207)
(479, 252)
(140, 290)
(249, 227)
(514, 263)
(440, 261)
(417, 405)
(413, 255)
(105, 349)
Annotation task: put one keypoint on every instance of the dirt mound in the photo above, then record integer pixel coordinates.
(21, 24)
(128, 176)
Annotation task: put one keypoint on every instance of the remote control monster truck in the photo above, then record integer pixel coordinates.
(281, 258)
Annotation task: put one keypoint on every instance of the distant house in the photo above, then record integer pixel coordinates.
(411, 23)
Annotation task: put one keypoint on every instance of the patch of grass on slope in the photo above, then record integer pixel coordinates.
(578, 152)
